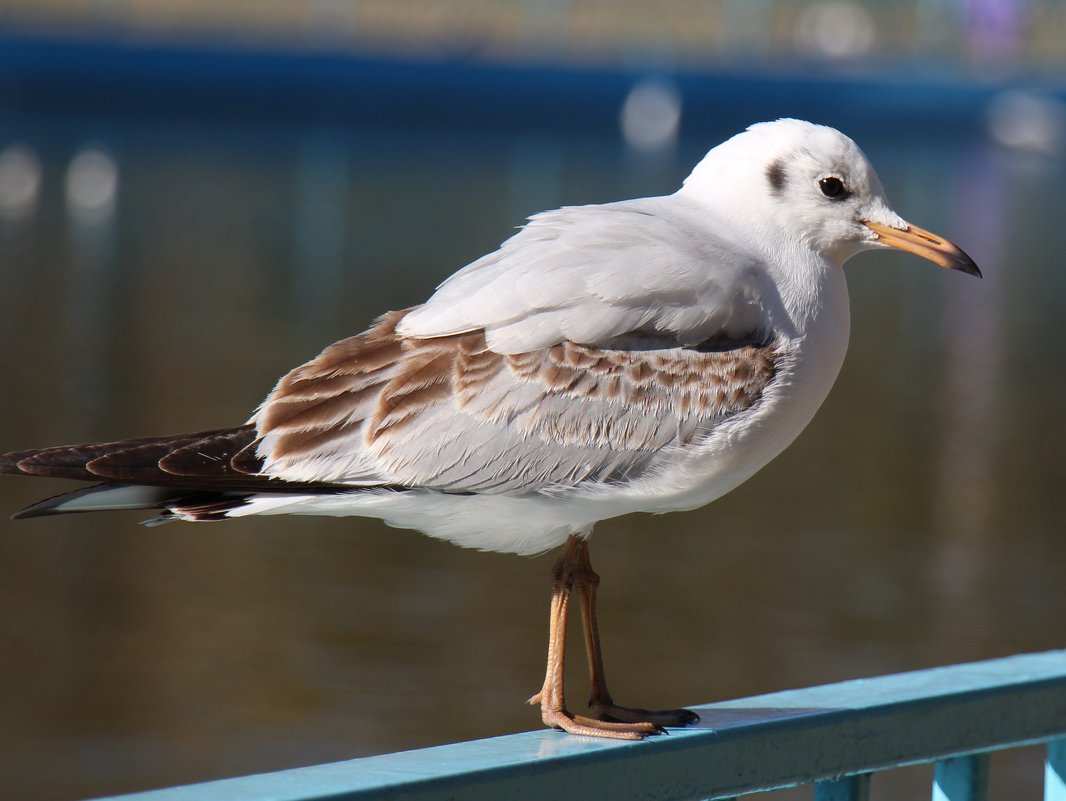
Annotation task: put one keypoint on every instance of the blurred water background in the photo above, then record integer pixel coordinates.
(195, 197)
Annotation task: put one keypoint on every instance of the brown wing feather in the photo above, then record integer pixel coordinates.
(305, 398)
(404, 402)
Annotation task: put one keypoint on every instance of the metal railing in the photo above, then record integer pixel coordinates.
(834, 737)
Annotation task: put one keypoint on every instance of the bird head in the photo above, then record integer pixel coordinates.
(793, 182)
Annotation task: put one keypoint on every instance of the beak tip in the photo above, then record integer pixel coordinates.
(967, 265)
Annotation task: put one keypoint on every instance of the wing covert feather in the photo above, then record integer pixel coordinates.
(451, 414)
(589, 273)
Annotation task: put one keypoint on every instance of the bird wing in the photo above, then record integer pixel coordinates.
(590, 273)
(591, 341)
(453, 414)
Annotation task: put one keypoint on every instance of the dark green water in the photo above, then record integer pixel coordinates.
(919, 521)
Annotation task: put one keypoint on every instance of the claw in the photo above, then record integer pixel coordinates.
(578, 724)
(610, 711)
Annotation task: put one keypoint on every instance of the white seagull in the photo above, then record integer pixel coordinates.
(647, 355)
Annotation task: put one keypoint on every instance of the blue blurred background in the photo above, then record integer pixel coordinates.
(196, 196)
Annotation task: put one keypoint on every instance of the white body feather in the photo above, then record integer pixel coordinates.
(595, 289)
(729, 253)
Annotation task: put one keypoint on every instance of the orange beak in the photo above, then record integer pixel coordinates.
(925, 244)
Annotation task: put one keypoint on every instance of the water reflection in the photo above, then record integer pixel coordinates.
(91, 186)
(1026, 120)
(89, 288)
(970, 392)
(927, 490)
(20, 182)
(835, 30)
(319, 238)
(651, 115)
(534, 175)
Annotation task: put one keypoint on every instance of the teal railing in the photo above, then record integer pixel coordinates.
(834, 737)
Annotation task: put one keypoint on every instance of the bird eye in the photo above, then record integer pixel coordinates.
(832, 187)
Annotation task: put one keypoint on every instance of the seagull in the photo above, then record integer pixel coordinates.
(646, 355)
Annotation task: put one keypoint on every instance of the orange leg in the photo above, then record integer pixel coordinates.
(573, 569)
(600, 702)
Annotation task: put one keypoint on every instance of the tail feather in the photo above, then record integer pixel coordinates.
(101, 498)
(191, 475)
(9, 462)
(206, 456)
(73, 461)
(216, 455)
(175, 503)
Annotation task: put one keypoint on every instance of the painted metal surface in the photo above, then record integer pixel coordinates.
(962, 778)
(848, 788)
(1055, 771)
(819, 734)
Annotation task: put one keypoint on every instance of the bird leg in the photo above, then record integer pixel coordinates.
(551, 697)
(603, 707)
(573, 569)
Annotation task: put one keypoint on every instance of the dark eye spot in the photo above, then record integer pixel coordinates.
(775, 174)
(833, 188)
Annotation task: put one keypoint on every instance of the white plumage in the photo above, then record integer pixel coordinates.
(590, 273)
(750, 249)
